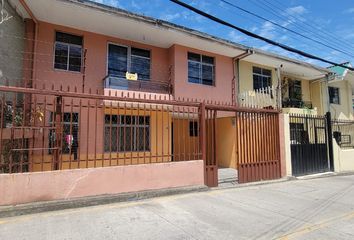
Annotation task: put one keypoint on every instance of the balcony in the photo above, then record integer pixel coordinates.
(118, 83)
(295, 106)
(295, 103)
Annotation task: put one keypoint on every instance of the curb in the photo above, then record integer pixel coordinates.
(325, 175)
(39, 207)
(254, 184)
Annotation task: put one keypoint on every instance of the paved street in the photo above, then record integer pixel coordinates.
(303, 209)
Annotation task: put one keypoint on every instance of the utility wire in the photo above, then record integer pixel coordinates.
(285, 47)
(258, 21)
(285, 28)
(324, 33)
(291, 20)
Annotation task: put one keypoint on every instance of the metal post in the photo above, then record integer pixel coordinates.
(202, 131)
(58, 137)
(330, 140)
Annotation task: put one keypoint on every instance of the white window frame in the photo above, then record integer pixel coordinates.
(68, 46)
(201, 71)
(262, 75)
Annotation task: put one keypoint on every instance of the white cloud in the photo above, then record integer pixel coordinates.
(135, 5)
(349, 10)
(114, 3)
(170, 17)
(235, 37)
(298, 10)
(267, 30)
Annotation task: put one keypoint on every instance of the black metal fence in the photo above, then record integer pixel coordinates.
(343, 132)
(309, 144)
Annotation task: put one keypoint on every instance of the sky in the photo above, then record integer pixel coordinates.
(330, 22)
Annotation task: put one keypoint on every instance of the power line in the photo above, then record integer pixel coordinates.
(324, 34)
(285, 47)
(291, 20)
(258, 21)
(285, 28)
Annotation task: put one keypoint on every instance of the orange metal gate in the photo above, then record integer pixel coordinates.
(256, 143)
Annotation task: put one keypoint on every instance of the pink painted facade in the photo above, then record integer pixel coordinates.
(168, 65)
(68, 184)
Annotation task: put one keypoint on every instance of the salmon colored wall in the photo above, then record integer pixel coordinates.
(222, 91)
(96, 59)
(184, 146)
(68, 184)
(91, 142)
(225, 147)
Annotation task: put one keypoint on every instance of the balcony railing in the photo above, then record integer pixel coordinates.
(260, 98)
(295, 103)
(137, 85)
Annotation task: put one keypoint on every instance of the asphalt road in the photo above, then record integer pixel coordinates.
(302, 209)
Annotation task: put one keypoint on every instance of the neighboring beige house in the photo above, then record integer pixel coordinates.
(340, 91)
(270, 80)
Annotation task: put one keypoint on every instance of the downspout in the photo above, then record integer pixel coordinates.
(323, 81)
(34, 58)
(236, 61)
(279, 97)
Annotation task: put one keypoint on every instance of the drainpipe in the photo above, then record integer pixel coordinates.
(34, 58)
(236, 85)
(279, 96)
(323, 81)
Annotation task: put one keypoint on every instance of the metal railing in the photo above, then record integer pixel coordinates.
(137, 85)
(343, 132)
(260, 98)
(50, 130)
(294, 103)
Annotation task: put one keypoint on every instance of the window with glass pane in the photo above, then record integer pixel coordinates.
(70, 134)
(295, 92)
(200, 69)
(334, 96)
(68, 52)
(127, 133)
(118, 63)
(117, 60)
(140, 63)
(262, 78)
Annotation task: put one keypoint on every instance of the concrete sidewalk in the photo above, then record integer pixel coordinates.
(303, 209)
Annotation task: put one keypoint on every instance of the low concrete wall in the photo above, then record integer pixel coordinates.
(287, 148)
(66, 184)
(282, 143)
(343, 158)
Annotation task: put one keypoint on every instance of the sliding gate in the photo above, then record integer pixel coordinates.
(309, 144)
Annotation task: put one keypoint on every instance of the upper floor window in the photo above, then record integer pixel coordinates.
(201, 69)
(334, 96)
(123, 59)
(295, 91)
(68, 52)
(262, 78)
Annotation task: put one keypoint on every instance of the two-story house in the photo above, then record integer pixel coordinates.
(88, 47)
